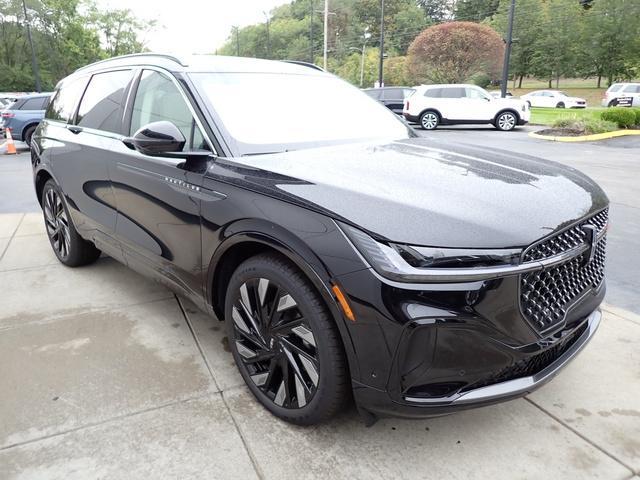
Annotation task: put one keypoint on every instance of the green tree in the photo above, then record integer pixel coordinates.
(438, 10)
(475, 10)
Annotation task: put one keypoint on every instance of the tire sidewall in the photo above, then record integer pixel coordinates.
(251, 269)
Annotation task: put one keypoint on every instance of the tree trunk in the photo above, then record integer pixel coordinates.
(599, 80)
(557, 81)
(520, 81)
(550, 79)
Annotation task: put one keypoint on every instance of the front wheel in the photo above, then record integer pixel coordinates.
(506, 121)
(429, 120)
(284, 341)
(560, 105)
(70, 248)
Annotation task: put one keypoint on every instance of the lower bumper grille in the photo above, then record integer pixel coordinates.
(547, 295)
(534, 364)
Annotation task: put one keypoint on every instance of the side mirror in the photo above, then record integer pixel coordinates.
(156, 139)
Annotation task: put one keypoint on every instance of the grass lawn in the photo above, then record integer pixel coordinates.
(546, 116)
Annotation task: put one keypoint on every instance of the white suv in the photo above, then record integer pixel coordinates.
(433, 105)
(627, 94)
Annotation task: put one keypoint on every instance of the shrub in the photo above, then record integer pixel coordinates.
(585, 126)
(480, 79)
(623, 117)
(636, 111)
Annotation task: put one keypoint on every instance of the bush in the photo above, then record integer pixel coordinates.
(480, 79)
(636, 111)
(585, 126)
(623, 117)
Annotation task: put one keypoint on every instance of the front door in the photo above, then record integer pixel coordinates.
(158, 198)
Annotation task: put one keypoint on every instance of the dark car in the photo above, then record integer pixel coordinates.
(391, 97)
(23, 115)
(346, 258)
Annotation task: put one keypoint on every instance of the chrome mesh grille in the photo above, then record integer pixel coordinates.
(546, 295)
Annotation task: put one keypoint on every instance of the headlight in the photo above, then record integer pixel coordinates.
(407, 263)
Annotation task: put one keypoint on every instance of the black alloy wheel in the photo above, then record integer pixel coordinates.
(560, 105)
(57, 223)
(70, 248)
(285, 345)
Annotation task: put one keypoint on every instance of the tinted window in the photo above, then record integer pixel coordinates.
(159, 99)
(64, 101)
(453, 92)
(375, 94)
(631, 89)
(433, 93)
(393, 94)
(101, 105)
(33, 104)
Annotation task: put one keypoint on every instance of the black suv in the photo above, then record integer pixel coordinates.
(391, 97)
(347, 258)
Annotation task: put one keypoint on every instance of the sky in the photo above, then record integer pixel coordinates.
(193, 26)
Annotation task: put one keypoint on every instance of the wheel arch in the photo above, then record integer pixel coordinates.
(504, 110)
(245, 243)
(431, 109)
(41, 177)
(27, 126)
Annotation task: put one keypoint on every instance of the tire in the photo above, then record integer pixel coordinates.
(285, 343)
(429, 120)
(28, 134)
(613, 103)
(70, 248)
(560, 105)
(506, 121)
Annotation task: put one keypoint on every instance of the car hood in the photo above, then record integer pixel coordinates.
(421, 192)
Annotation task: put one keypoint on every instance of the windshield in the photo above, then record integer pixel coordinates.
(274, 112)
(562, 94)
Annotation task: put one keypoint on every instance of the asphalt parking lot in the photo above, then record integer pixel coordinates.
(104, 374)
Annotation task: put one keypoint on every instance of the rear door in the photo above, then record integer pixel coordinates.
(393, 98)
(452, 103)
(159, 197)
(90, 140)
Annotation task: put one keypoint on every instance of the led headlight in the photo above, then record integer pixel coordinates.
(407, 263)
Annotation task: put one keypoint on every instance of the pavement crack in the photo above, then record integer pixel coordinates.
(12, 237)
(579, 434)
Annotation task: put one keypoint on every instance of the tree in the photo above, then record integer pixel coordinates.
(455, 51)
(438, 10)
(475, 10)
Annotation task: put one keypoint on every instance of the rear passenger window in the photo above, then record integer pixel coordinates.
(159, 99)
(433, 93)
(453, 92)
(33, 104)
(64, 101)
(375, 94)
(101, 105)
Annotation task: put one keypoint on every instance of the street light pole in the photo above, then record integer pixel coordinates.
(268, 37)
(367, 35)
(326, 30)
(507, 51)
(34, 60)
(380, 77)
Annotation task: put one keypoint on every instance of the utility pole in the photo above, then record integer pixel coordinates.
(380, 77)
(237, 41)
(311, 52)
(326, 30)
(268, 37)
(366, 35)
(507, 51)
(34, 60)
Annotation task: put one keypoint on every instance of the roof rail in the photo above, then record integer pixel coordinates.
(305, 64)
(163, 55)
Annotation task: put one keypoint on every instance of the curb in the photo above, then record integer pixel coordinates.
(585, 138)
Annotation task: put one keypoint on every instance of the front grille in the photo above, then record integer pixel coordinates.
(534, 364)
(546, 295)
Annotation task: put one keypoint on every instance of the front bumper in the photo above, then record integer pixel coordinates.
(381, 403)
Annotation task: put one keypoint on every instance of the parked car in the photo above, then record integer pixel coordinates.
(425, 277)
(553, 99)
(433, 105)
(391, 97)
(627, 94)
(23, 115)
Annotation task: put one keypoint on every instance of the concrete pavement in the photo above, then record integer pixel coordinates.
(104, 374)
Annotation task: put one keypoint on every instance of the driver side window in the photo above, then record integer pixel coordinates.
(157, 98)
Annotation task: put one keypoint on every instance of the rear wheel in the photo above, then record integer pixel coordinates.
(429, 120)
(506, 121)
(70, 248)
(28, 134)
(284, 342)
(613, 103)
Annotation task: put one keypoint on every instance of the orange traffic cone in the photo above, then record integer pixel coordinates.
(11, 147)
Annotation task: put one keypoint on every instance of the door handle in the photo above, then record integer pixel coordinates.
(74, 129)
